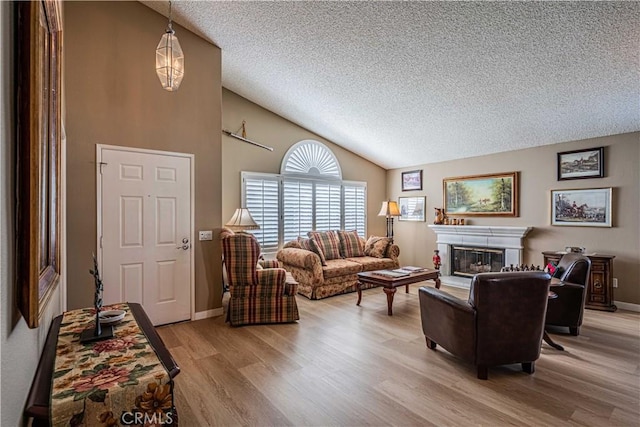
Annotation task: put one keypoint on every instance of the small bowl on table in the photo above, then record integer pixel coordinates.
(111, 317)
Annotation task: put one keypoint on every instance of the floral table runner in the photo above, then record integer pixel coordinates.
(117, 381)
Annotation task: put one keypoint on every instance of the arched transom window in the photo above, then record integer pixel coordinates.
(311, 158)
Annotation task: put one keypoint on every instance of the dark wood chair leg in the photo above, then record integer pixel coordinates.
(549, 341)
(431, 344)
(483, 372)
(529, 367)
(574, 331)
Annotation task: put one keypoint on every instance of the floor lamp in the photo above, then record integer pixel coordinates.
(390, 210)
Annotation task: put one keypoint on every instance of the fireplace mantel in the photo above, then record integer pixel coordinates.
(481, 230)
(508, 238)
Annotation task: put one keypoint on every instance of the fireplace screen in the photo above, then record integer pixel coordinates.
(468, 261)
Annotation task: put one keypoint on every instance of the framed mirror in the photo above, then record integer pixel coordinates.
(38, 104)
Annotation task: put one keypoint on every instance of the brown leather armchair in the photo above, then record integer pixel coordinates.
(567, 310)
(501, 323)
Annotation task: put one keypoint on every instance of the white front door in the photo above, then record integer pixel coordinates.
(145, 230)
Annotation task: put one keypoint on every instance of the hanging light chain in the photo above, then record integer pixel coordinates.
(170, 26)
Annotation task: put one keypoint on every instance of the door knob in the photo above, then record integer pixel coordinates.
(183, 247)
(185, 240)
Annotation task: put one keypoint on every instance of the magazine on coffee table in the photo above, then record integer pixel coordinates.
(400, 272)
(391, 273)
(409, 269)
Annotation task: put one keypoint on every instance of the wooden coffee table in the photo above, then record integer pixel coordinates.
(390, 284)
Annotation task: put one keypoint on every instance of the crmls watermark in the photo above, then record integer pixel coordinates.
(142, 418)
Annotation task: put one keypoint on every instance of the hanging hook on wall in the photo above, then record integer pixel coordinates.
(243, 136)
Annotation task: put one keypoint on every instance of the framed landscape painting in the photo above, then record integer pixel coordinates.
(580, 164)
(587, 207)
(412, 208)
(488, 195)
(412, 180)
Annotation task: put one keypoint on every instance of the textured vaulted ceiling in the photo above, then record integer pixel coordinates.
(408, 83)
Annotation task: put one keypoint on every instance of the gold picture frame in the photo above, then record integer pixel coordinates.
(39, 60)
(481, 195)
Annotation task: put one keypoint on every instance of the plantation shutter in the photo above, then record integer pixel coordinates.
(298, 208)
(261, 196)
(328, 207)
(354, 208)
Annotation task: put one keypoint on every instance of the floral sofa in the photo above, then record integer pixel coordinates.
(327, 263)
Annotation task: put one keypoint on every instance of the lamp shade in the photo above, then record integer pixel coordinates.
(389, 209)
(169, 61)
(242, 220)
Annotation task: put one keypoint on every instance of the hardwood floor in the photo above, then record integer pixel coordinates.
(348, 365)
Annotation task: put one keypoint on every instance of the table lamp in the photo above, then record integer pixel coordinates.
(241, 221)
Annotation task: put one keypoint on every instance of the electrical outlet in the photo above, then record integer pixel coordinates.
(205, 235)
(615, 282)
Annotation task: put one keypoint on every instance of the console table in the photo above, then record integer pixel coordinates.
(599, 284)
(38, 400)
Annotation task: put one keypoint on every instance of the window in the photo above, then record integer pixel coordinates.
(308, 195)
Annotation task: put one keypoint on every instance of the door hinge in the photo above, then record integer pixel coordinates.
(102, 164)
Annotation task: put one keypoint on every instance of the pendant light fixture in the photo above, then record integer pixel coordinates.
(169, 59)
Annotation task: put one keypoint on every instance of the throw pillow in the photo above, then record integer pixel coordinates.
(328, 242)
(304, 243)
(350, 244)
(310, 245)
(376, 246)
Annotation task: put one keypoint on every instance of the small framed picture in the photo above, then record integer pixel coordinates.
(586, 207)
(412, 208)
(580, 164)
(412, 180)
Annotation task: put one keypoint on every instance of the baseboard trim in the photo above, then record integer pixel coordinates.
(628, 306)
(199, 315)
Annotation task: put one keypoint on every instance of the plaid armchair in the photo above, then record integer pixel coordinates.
(258, 294)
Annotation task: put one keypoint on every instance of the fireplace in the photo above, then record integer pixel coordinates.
(507, 240)
(467, 261)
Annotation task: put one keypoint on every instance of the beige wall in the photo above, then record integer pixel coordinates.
(538, 175)
(114, 97)
(272, 130)
(20, 346)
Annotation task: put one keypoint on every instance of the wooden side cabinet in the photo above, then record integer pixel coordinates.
(600, 285)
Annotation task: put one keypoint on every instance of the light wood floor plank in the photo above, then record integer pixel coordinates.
(343, 364)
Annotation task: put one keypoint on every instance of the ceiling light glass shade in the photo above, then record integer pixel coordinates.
(242, 220)
(169, 61)
(389, 209)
